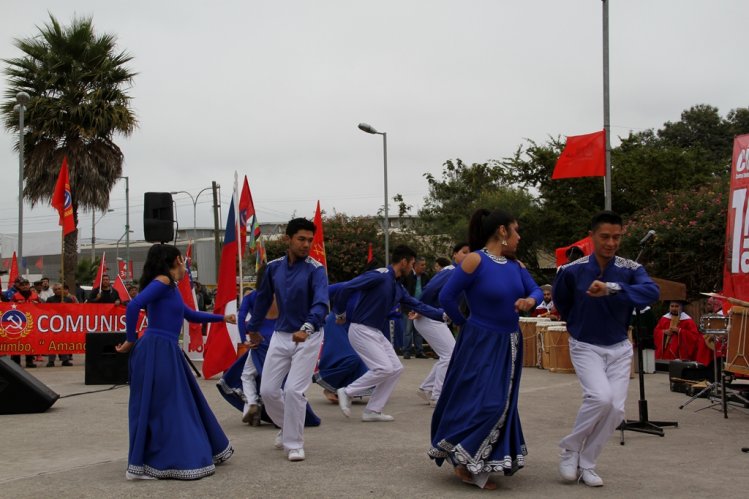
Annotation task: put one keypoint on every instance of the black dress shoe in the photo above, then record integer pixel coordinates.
(30, 366)
(67, 363)
(420, 356)
(50, 364)
(406, 356)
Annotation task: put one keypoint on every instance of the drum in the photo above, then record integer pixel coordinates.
(542, 359)
(736, 356)
(557, 350)
(713, 324)
(528, 329)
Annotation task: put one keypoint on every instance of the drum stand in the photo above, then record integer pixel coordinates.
(716, 390)
(642, 425)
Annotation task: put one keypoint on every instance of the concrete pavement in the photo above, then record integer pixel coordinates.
(79, 448)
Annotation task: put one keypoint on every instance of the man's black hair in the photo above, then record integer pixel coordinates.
(402, 251)
(605, 217)
(297, 224)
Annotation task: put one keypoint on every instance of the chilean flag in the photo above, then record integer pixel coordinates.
(188, 296)
(220, 351)
(62, 199)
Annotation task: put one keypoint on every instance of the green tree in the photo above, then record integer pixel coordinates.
(78, 83)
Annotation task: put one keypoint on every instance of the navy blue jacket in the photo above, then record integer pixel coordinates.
(379, 292)
(604, 320)
(431, 293)
(301, 292)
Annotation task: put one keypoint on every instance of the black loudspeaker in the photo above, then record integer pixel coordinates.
(20, 392)
(683, 373)
(104, 366)
(158, 217)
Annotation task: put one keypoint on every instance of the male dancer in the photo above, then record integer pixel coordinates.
(596, 295)
(300, 286)
(437, 333)
(379, 291)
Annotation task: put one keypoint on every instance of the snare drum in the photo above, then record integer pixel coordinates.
(557, 344)
(714, 324)
(543, 353)
(528, 329)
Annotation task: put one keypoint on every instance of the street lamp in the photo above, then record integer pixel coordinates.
(22, 98)
(127, 219)
(117, 246)
(364, 127)
(194, 208)
(94, 221)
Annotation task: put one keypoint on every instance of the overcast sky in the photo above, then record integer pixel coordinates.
(275, 90)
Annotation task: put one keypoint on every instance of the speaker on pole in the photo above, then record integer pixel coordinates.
(158, 217)
(20, 392)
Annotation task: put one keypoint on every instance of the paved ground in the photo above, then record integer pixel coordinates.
(79, 448)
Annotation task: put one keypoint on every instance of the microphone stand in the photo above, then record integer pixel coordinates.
(642, 425)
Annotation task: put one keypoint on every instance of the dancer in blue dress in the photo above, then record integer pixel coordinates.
(173, 432)
(476, 425)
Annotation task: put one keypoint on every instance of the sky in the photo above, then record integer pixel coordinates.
(275, 89)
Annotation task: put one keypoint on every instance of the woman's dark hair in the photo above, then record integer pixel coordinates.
(484, 224)
(459, 246)
(159, 261)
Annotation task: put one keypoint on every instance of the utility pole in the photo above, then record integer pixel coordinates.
(216, 239)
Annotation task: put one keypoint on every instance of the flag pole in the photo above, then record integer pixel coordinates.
(606, 106)
(62, 264)
(237, 221)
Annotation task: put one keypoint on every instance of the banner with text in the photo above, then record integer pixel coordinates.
(52, 328)
(736, 269)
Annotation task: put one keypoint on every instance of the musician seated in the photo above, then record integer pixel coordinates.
(546, 307)
(676, 335)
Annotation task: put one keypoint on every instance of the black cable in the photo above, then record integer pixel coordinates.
(92, 391)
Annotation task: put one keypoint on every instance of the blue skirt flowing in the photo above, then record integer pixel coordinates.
(173, 432)
(476, 421)
(339, 363)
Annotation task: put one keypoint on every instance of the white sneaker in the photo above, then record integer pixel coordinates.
(425, 395)
(371, 417)
(568, 465)
(344, 402)
(296, 455)
(278, 444)
(133, 476)
(591, 478)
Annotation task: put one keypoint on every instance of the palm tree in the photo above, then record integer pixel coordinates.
(78, 85)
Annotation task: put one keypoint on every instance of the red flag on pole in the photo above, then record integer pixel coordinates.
(219, 351)
(100, 273)
(188, 296)
(585, 245)
(13, 273)
(370, 257)
(39, 263)
(246, 214)
(583, 156)
(122, 268)
(318, 241)
(119, 286)
(62, 199)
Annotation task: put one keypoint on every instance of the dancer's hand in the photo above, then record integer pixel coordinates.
(230, 318)
(524, 304)
(255, 339)
(597, 289)
(124, 347)
(300, 336)
(413, 315)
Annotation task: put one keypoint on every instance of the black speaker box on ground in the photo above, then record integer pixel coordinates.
(681, 372)
(104, 366)
(20, 392)
(158, 217)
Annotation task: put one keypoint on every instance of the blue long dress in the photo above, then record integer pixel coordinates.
(476, 421)
(173, 432)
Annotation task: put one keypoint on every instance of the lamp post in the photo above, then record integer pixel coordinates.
(370, 129)
(127, 219)
(94, 221)
(194, 208)
(22, 98)
(117, 246)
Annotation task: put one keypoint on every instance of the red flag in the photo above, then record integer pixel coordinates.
(13, 273)
(583, 156)
(119, 286)
(246, 212)
(318, 242)
(6, 263)
(39, 263)
(100, 273)
(219, 351)
(369, 253)
(62, 199)
(122, 268)
(188, 296)
(585, 245)
(130, 270)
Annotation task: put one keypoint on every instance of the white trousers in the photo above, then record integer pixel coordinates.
(287, 406)
(603, 372)
(248, 383)
(384, 366)
(441, 340)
